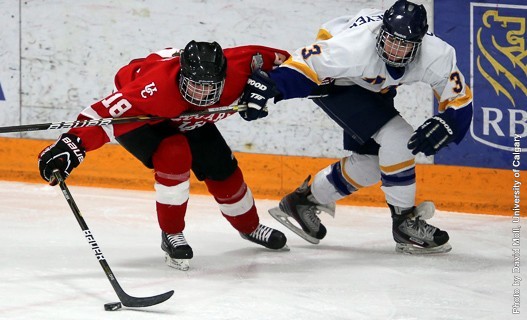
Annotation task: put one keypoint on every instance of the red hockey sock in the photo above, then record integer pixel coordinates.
(172, 161)
(171, 218)
(236, 201)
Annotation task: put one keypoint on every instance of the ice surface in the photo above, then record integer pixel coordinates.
(48, 271)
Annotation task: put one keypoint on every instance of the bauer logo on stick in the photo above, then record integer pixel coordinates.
(94, 245)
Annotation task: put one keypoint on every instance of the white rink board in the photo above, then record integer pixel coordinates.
(72, 49)
(9, 64)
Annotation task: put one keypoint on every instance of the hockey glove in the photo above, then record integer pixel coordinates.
(65, 155)
(434, 134)
(258, 90)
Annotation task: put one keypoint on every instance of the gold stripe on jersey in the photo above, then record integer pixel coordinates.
(346, 176)
(456, 103)
(398, 167)
(323, 34)
(387, 89)
(307, 71)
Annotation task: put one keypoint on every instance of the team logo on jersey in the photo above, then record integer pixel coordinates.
(499, 68)
(149, 90)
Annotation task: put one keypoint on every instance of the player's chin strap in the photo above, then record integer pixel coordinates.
(114, 121)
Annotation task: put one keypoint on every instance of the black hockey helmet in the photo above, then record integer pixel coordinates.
(203, 72)
(404, 25)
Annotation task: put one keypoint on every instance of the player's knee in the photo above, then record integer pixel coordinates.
(173, 155)
(363, 170)
(393, 140)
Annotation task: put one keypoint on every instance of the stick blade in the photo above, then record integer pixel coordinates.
(135, 302)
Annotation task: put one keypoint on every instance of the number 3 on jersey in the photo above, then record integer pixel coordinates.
(116, 108)
(309, 51)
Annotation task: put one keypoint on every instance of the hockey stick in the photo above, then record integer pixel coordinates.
(126, 300)
(113, 121)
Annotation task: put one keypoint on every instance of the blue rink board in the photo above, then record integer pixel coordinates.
(490, 42)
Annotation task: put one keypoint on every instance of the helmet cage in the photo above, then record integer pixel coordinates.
(200, 93)
(398, 52)
(203, 73)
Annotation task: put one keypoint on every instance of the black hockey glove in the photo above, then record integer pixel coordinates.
(65, 155)
(258, 90)
(432, 135)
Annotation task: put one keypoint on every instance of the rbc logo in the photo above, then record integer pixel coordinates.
(500, 83)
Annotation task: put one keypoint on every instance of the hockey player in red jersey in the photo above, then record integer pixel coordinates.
(168, 83)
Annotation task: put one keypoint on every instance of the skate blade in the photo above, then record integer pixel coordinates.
(283, 218)
(411, 249)
(179, 264)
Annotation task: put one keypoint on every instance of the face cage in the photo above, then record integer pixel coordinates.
(200, 94)
(407, 49)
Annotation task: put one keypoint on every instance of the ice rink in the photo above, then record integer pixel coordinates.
(48, 271)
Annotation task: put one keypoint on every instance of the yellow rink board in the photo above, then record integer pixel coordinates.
(452, 188)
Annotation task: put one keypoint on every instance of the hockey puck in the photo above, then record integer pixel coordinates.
(112, 306)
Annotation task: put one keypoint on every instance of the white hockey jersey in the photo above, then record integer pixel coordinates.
(345, 52)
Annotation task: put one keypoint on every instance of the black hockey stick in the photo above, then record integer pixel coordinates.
(112, 121)
(126, 300)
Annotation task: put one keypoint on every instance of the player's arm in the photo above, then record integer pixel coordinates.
(70, 148)
(262, 57)
(453, 119)
(297, 77)
(259, 87)
(307, 67)
(455, 103)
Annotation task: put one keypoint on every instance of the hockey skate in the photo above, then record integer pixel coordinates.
(414, 235)
(177, 251)
(267, 237)
(304, 209)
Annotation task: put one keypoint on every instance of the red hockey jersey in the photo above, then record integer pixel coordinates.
(149, 86)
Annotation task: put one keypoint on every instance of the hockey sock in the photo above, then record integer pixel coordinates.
(236, 201)
(172, 161)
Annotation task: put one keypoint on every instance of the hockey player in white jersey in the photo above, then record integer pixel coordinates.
(352, 71)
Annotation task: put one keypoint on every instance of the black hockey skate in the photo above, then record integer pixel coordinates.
(414, 235)
(302, 206)
(267, 237)
(177, 251)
